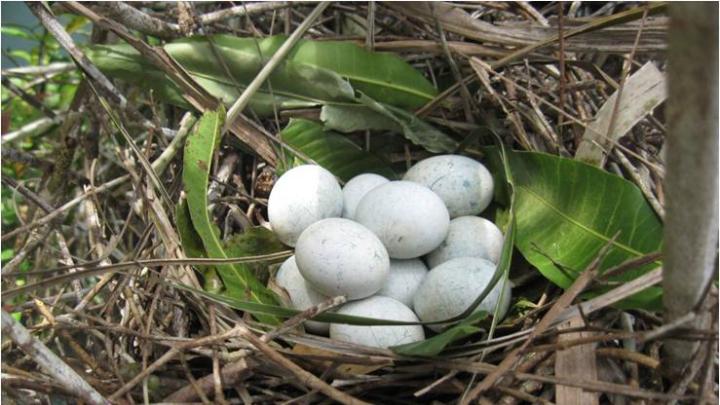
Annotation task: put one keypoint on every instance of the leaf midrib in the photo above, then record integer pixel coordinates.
(578, 223)
(349, 76)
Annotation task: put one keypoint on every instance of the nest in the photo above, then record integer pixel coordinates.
(96, 260)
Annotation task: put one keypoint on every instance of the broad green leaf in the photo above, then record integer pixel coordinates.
(566, 211)
(314, 73)
(199, 148)
(356, 117)
(413, 128)
(436, 344)
(371, 115)
(382, 76)
(332, 151)
(123, 62)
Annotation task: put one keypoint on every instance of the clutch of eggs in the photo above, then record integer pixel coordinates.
(410, 251)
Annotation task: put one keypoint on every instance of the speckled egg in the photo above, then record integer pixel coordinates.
(378, 336)
(301, 197)
(409, 218)
(341, 257)
(404, 279)
(302, 296)
(469, 237)
(355, 190)
(464, 184)
(450, 288)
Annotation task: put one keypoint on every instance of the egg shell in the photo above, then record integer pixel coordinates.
(404, 279)
(378, 307)
(355, 190)
(450, 288)
(464, 184)
(340, 257)
(469, 237)
(302, 295)
(301, 197)
(409, 218)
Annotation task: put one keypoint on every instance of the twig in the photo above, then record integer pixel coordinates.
(36, 127)
(137, 20)
(640, 182)
(50, 362)
(623, 78)
(170, 354)
(568, 296)
(247, 9)
(66, 41)
(628, 355)
(159, 165)
(278, 57)
(28, 98)
(303, 376)
(52, 68)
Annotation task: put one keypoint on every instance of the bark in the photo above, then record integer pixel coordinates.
(691, 183)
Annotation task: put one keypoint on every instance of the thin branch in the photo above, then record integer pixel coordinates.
(49, 361)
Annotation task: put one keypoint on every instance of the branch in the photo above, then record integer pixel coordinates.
(49, 361)
(691, 183)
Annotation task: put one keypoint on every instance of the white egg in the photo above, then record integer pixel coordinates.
(450, 288)
(301, 197)
(301, 294)
(464, 184)
(404, 279)
(355, 190)
(469, 237)
(340, 257)
(378, 336)
(408, 218)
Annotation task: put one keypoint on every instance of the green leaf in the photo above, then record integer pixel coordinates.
(331, 150)
(413, 128)
(18, 31)
(567, 210)
(356, 117)
(76, 23)
(436, 344)
(193, 246)
(199, 148)
(313, 74)
(256, 241)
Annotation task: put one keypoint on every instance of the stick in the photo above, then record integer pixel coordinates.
(49, 361)
(281, 53)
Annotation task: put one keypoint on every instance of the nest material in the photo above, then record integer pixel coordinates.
(132, 337)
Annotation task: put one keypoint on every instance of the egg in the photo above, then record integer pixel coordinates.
(409, 218)
(355, 190)
(464, 184)
(302, 296)
(378, 307)
(340, 257)
(404, 279)
(469, 237)
(450, 288)
(301, 197)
